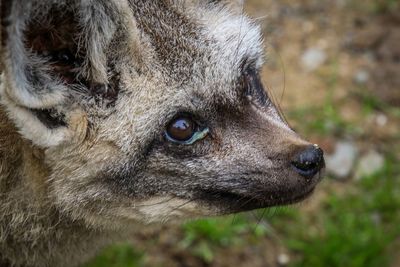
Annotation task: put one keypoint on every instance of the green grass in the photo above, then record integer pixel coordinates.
(324, 120)
(384, 6)
(377, 7)
(372, 104)
(351, 230)
(203, 237)
(118, 256)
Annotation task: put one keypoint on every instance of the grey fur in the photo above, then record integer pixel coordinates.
(83, 156)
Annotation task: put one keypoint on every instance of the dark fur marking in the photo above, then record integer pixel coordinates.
(4, 263)
(50, 117)
(5, 12)
(125, 180)
(52, 36)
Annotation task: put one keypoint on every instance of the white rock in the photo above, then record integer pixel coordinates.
(369, 164)
(341, 162)
(361, 77)
(381, 120)
(283, 259)
(313, 58)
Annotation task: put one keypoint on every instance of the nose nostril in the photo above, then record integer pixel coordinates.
(305, 166)
(309, 162)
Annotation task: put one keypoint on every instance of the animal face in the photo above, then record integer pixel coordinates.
(150, 110)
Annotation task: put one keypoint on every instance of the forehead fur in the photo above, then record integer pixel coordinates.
(195, 57)
(199, 49)
(191, 41)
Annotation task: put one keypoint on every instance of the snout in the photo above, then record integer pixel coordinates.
(309, 161)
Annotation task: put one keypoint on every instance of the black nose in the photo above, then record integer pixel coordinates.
(309, 162)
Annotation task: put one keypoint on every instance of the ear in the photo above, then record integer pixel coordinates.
(47, 49)
(26, 47)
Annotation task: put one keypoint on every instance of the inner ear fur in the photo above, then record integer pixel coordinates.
(50, 32)
(37, 30)
(53, 36)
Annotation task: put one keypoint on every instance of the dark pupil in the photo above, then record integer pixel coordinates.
(181, 129)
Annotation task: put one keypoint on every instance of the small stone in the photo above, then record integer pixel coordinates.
(283, 259)
(361, 77)
(341, 162)
(381, 120)
(376, 218)
(313, 58)
(369, 164)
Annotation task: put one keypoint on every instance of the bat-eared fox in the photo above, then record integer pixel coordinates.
(120, 113)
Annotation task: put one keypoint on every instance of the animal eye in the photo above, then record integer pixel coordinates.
(184, 130)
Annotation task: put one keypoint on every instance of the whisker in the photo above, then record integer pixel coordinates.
(233, 219)
(165, 218)
(155, 204)
(271, 92)
(261, 18)
(259, 220)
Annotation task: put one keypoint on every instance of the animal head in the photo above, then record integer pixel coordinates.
(149, 110)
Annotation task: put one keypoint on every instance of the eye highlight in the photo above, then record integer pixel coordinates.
(184, 130)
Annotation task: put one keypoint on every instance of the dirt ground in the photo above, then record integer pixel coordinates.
(358, 51)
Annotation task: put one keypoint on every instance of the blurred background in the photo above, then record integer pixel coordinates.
(334, 69)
